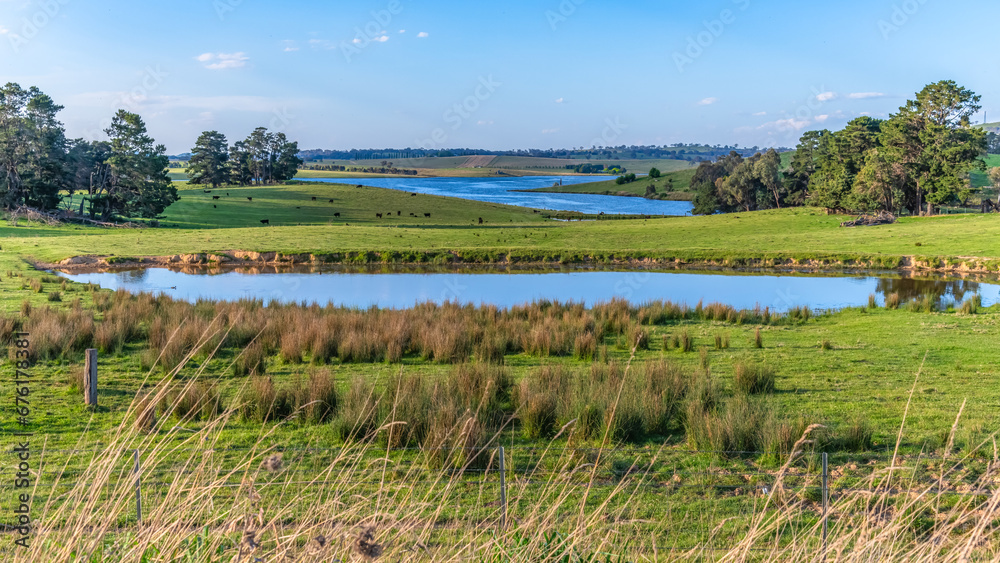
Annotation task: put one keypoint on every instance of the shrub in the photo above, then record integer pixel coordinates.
(251, 361)
(971, 305)
(357, 417)
(686, 343)
(857, 435)
(892, 301)
(752, 378)
(826, 345)
(54, 296)
(872, 302)
(321, 397)
(758, 340)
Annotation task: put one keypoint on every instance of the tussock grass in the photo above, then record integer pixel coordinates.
(752, 378)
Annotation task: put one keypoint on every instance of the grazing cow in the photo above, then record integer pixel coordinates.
(337, 214)
(331, 201)
(379, 215)
(480, 220)
(265, 221)
(227, 194)
(360, 186)
(297, 207)
(207, 191)
(412, 215)
(215, 197)
(413, 194)
(314, 198)
(427, 214)
(398, 213)
(249, 198)
(215, 207)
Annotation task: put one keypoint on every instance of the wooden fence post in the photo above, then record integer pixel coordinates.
(90, 378)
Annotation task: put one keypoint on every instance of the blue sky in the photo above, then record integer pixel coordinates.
(516, 74)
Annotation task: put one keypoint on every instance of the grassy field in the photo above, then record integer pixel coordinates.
(701, 379)
(478, 166)
(680, 185)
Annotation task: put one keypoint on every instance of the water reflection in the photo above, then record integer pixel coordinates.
(943, 291)
(402, 287)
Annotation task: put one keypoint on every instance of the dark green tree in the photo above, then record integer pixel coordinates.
(654, 173)
(138, 184)
(932, 138)
(32, 149)
(209, 160)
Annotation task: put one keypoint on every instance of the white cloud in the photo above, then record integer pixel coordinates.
(826, 96)
(549, 131)
(381, 38)
(423, 34)
(865, 95)
(289, 46)
(484, 122)
(402, 31)
(760, 114)
(356, 40)
(708, 101)
(324, 43)
(4, 30)
(221, 61)
(560, 100)
(786, 124)
(822, 118)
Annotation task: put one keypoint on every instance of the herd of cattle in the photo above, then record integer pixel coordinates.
(337, 214)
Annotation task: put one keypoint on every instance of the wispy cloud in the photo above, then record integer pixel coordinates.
(222, 61)
(423, 34)
(4, 30)
(822, 118)
(760, 114)
(708, 101)
(289, 45)
(560, 100)
(865, 95)
(786, 124)
(402, 31)
(484, 122)
(321, 44)
(549, 131)
(826, 96)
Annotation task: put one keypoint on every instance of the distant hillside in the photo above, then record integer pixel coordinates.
(991, 127)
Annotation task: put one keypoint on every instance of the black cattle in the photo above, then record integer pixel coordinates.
(360, 186)
(314, 198)
(412, 215)
(331, 201)
(379, 215)
(337, 214)
(249, 198)
(398, 213)
(215, 197)
(413, 194)
(265, 221)
(480, 220)
(427, 214)
(534, 211)
(207, 191)
(215, 207)
(227, 194)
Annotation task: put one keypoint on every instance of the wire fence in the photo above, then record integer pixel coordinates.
(676, 500)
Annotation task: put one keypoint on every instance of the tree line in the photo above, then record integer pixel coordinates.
(916, 160)
(123, 176)
(261, 158)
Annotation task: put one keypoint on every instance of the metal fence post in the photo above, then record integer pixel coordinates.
(826, 500)
(503, 490)
(138, 487)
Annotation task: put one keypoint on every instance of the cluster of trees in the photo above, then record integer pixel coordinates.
(626, 179)
(261, 158)
(734, 183)
(919, 158)
(124, 176)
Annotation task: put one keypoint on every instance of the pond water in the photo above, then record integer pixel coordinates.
(779, 291)
(503, 190)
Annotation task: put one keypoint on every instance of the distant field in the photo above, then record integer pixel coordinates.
(510, 164)
(681, 186)
(293, 205)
